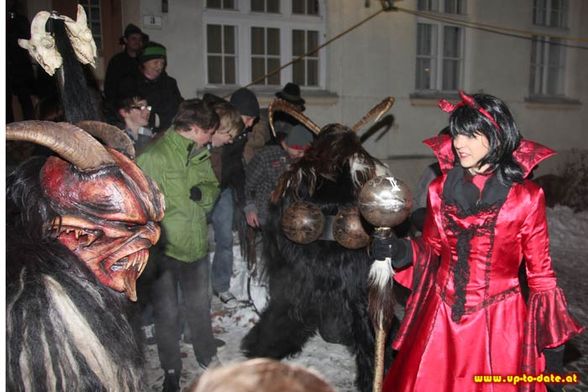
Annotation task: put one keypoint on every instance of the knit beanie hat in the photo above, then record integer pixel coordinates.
(299, 138)
(246, 102)
(151, 51)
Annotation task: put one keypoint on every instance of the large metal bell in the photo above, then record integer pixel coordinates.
(385, 201)
(348, 230)
(303, 222)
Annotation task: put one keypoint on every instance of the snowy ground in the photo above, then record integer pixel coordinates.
(567, 230)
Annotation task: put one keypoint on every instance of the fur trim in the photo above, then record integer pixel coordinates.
(381, 273)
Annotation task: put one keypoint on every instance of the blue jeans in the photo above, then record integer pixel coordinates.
(222, 223)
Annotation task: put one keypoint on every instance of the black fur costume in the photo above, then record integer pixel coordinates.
(65, 331)
(320, 287)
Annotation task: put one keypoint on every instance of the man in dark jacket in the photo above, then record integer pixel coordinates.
(153, 83)
(124, 63)
(232, 187)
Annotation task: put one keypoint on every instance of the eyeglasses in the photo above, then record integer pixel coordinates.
(142, 107)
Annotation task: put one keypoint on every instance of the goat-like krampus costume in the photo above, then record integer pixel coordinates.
(320, 286)
(78, 232)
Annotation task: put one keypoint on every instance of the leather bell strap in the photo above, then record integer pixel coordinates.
(328, 229)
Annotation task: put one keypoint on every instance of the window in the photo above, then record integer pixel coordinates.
(547, 67)
(221, 54)
(454, 7)
(221, 4)
(246, 43)
(447, 6)
(269, 6)
(305, 71)
(550, 13)
(92, 8)
(439, 57)
(265, 54)
(428, 5)
(305, 7)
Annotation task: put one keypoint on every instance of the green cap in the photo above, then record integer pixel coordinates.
(152, 51)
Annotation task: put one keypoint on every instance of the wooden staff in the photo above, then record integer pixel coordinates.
(385, 202)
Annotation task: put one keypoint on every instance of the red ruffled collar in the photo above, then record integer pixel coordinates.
(528, 155)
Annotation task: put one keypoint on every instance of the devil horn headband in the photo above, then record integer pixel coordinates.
(467, 100)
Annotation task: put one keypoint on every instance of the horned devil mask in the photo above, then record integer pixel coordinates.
(107, 208)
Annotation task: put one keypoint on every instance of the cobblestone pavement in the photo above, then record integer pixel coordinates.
(572, 274)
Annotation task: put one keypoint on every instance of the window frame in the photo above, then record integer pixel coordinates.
(244, 19)
(305, 8)
(547, 14)
(222, 7)
(541, 70)
(438, 57)
(223, 55)
(266, 56)
(440, 6)
(265, 8)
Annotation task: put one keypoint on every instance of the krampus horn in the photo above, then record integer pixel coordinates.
(70, 142)
(279, 105)
(110, 135)
(376, 113)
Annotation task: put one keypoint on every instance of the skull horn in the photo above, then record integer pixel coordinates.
(70, 142)
(279, 105)
(109, 135)
(377, 112)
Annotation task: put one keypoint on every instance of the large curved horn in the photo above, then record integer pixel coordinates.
(279, 105)
(70, 142)
(110, 135)
(377, 112)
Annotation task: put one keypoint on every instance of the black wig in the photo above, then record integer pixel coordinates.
(503, 141)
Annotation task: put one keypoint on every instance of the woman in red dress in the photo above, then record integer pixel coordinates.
(466, 315)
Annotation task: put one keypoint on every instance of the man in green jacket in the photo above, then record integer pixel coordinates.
(179, 163)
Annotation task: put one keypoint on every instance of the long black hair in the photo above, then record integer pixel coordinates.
(80, 100)
(503, 140)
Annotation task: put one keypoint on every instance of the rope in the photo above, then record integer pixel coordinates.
(507, 31)
(317, 48)
(510, 32)
(488, 27)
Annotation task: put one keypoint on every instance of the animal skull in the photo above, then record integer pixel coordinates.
(41, 46)
(81, 38)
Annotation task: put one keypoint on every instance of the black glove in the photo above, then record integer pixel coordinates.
(195, 194)
(396, 249)
(418, 218)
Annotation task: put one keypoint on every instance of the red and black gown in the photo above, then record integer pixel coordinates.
(466, 315)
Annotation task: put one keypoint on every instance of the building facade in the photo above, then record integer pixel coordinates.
(530, 53)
